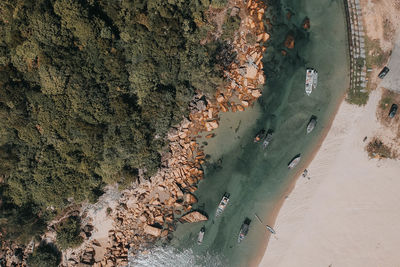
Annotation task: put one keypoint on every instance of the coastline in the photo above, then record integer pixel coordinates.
(292, 220)
(380, 251)
(273, 216)
(149, 211)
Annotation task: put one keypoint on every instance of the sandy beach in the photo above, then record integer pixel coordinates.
(346, 213)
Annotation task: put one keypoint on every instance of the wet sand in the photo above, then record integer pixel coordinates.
(346, 213)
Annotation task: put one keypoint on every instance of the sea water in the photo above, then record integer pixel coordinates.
(258, 179)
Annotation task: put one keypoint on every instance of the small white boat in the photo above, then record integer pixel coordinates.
(270, 229)
(294, 162)
(311, 124)
(222, 205)
(201, 235)
(268, 139)
(311, 80)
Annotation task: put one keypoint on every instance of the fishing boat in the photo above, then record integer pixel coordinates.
(222, 204)
(311, 124)
(259, 136)
(270, 229)
(294, 162)
(244, 229)
(267, 139)
(201, 235)
(311, 80)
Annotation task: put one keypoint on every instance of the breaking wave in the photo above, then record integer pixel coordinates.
(171, 257)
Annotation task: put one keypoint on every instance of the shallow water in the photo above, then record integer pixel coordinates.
(257, 178)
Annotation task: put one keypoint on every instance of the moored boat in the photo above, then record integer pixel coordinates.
(268, 139)
(244, 229)
(259, 136)
(294, 162)
(201, 235)
(311, 80)
(222, 204)
(270, 229)
(311, 124)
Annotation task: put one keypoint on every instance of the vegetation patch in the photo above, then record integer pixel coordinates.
(357, 96)
(388, 30)
(375, 56)
(46, 255)
(375, 59)
(88, 91)
(68, 233)
(230, 26)
(377, 149)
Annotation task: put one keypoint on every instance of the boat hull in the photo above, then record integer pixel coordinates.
(311, 125)
(311, 80)
(293, 163)
(244, 229)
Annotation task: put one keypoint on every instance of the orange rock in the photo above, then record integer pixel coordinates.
(164, 233)
(208, 136)
(261, 78)
(249, 4)
(220, 98)
(289, 41)
(150, 230)
(190, 199)
(194, 216)
(223, 108)
(266, 37)
(306, 23)
(239, 107)
(256, 93)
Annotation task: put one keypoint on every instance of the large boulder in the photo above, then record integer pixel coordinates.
(154, 231)
(193, 217)
(251, 72)
(289, 41)
(190, 198)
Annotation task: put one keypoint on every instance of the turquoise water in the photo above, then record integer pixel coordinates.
(258, 179)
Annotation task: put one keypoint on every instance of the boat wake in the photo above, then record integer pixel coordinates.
(171, 257)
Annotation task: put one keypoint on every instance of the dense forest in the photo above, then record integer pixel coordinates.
(88, 90)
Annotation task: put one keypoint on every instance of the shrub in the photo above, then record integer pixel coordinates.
(68, 233)
(46, 255)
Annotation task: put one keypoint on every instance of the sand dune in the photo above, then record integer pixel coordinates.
(348, 212)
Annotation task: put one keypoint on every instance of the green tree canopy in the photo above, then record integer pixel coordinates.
(88, 90)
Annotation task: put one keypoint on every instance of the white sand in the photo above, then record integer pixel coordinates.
(348, 213)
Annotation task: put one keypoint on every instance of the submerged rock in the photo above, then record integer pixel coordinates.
(289, 41)
(306, 23)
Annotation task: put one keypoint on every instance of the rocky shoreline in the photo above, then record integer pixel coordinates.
(150, 210)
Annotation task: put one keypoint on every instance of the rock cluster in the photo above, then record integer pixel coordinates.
(150, 210)
(12, 254)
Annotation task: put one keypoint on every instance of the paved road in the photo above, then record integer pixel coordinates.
(392, 79)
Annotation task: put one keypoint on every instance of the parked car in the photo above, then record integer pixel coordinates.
(393, 110)
(383, 72)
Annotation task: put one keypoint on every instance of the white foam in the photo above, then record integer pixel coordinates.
(171, 257)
